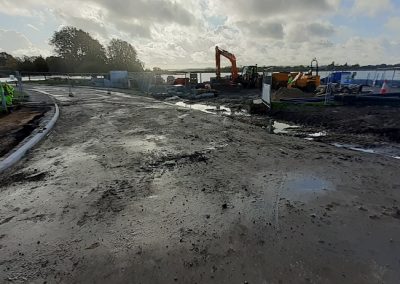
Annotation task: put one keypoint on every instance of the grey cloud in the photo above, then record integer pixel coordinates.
(304, 32)
(148, 11)
(262, 29)
(278, 7)
(321, 30)
(137, 18)
(85, 24)
(133, 29)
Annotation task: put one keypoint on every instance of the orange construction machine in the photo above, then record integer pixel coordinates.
(232, 59)
(249, 77)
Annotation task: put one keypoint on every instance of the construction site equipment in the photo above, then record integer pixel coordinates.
(249, 77)
(181, 81)
(267, 87)
(231, 57)
(304, 81)
(340, 82)
(193, 78)
(384, 89)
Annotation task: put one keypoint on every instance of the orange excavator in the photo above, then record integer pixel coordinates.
(231, 58)
(249, 77)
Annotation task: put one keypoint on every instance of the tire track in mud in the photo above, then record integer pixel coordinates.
(126, 178)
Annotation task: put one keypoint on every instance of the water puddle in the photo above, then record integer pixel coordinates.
(212, 109)
(318, 134)
(303, 187)
(389, 151)
(283, 128)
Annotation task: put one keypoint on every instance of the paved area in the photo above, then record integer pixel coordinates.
(128, 189)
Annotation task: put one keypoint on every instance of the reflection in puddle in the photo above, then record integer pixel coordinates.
(392, 152)
(302, 187)
(318, 134)
(212, 109)
(284, 128)
(352, 147)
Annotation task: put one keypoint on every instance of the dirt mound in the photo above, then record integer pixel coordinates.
(292, 93)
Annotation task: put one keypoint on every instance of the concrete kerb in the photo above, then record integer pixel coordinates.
(21, 150)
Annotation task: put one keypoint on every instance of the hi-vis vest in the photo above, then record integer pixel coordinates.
(8, 90)
(8, 93)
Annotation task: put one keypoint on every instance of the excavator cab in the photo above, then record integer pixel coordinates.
(250, 77)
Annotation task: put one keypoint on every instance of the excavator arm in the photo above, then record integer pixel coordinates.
(230, 57)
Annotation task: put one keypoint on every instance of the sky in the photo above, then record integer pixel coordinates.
(176, 34)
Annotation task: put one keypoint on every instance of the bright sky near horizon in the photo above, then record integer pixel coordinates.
(183, 33)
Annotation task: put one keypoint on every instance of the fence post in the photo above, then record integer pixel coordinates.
(3, 98)
(20, 86)
(69, 87)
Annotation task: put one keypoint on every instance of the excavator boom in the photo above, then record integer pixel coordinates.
(231, 58)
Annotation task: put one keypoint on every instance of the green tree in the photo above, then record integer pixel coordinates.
(123, 56)
(26, 64)
(40, 64)
(81, 52)
(7, 61)
(56, 64)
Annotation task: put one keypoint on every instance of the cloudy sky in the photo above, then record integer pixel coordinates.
(183, 33)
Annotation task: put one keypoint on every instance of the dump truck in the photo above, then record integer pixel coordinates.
(307, 82)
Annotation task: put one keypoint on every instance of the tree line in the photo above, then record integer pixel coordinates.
(77, 51)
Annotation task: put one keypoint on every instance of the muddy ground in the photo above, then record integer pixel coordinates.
(128, 189)
(21, 121)
(383, 122)
(368, 126)
(16, 126)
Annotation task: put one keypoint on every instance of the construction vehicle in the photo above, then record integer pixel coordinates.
(249, 77)
(304, 81)
(231, 57)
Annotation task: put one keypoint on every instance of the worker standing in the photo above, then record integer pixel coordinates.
(7, 96)
(290, 81)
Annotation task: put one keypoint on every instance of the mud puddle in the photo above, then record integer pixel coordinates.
(303, 187)
(388, 151)
(213, 109)
(282, 128)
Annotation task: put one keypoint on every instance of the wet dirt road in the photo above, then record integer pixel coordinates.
(128, 189)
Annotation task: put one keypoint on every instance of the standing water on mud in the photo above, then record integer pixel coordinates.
(284, 128)
(211, 109)
(304, 186)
